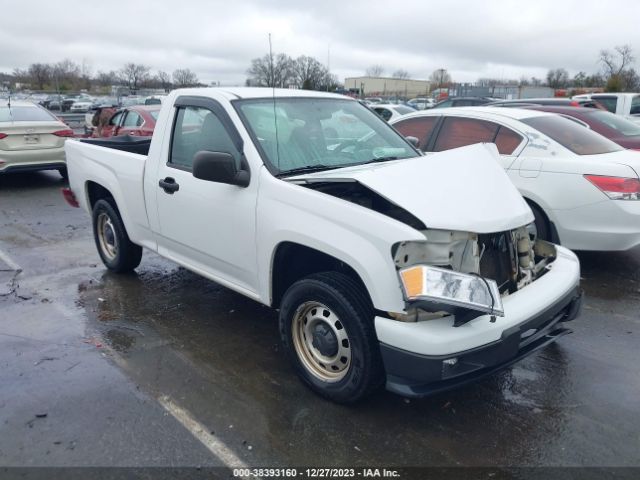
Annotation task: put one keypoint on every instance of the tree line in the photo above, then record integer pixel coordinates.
(67, 75)
(616, 74)
(282, 71)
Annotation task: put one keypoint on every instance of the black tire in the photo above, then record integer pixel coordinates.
(346, 299)
(119, 254)
(63, 173)
(542, 224)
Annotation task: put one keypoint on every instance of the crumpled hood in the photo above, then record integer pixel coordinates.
(464, 189)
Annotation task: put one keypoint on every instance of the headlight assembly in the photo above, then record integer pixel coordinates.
(461, 294)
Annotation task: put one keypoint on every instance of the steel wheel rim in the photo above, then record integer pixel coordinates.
(107, 236)
(309, 318)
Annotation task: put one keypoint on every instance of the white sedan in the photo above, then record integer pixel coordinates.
(31, 139)
(390, 111)
(584, 190)
(81, 106)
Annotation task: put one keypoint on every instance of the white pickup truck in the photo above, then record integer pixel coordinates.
(625, 104)
(386, 266)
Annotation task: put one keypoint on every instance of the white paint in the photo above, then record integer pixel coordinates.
(201, 433)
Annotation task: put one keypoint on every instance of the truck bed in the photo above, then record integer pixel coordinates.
(118, 168)
(126, 143)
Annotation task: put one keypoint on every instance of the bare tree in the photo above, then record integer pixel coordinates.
(616, 68)
(440, 77)
(86, 71)
(21, 76)
(400, 74)
(375, 71)
(557, 78)
(309, 73)
(66, 75)
(271, 71)
(39, 74)
(183, 77)
(106, 79)
(164, 80)
(134, 74)
(614, 63)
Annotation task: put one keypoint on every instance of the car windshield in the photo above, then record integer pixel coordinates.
(298, 134)
(572, 136)
(616, 122)
(25, 114)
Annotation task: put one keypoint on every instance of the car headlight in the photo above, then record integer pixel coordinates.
(452, 291)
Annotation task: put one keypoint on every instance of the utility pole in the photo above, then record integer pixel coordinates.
(328, 64)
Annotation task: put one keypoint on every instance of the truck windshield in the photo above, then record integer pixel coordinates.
(308, 134)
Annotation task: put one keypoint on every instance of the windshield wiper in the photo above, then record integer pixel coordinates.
(380, 159)
(307, 169)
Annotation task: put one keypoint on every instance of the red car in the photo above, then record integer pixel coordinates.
(615, 127)
(138, 120)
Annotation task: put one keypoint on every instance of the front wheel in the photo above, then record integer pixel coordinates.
(117, 252)
(326, 326)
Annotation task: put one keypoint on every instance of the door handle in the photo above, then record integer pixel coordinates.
(169, 185)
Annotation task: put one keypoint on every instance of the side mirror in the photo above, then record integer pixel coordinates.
(413, 141)
(219, 167)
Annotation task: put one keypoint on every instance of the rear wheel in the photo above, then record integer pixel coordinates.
(117, 252)
(326, 326)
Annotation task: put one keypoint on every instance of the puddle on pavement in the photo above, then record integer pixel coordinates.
(218, 354)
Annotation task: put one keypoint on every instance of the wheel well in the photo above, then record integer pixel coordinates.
(540, 209)
(97, 192)
(553, 231)
(293, 261)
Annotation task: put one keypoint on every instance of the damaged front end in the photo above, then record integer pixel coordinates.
(467, 274)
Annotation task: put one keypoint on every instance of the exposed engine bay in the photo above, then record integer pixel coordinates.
(513, 259)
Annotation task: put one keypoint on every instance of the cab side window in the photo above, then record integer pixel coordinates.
(196, 129)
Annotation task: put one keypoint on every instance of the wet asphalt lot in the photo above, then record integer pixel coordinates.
(164, 368)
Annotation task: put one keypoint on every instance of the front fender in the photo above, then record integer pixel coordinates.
(353, 234)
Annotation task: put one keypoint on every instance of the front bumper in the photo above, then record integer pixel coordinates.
(414, 375)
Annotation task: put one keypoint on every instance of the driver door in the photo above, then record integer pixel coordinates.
(207, 226)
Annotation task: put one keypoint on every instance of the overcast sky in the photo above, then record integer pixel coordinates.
(218, 39)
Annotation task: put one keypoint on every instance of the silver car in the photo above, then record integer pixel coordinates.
(31, 138)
